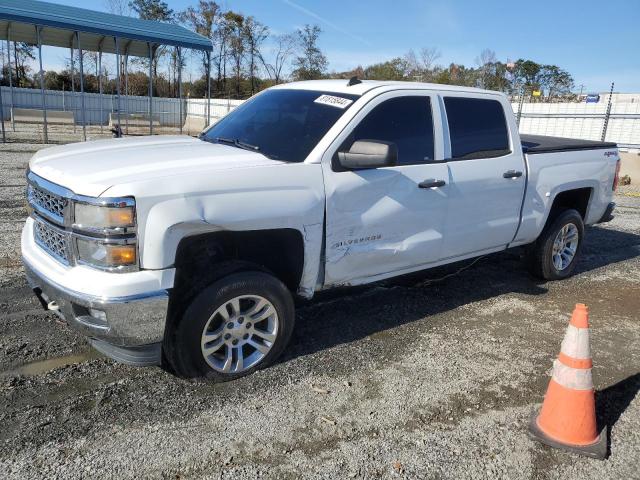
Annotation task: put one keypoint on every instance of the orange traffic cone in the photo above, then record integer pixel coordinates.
(567, 419)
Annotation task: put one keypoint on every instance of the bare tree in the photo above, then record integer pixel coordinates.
(23, 54)
(411, 67)
(153, 10)
(205, 20)
(310, 63)
(176, 62)
(255, 33)
(419, 66)
(281, 54)
(486, 56)
(485, 61)
(428, 57)
(237, 45)
(118, 7)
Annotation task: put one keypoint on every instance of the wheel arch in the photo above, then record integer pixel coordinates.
(575, 198)
(210, 255)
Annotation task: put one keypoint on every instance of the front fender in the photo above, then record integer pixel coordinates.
(171, 209)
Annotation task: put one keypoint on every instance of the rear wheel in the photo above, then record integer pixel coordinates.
(233, 327)
(555, 254)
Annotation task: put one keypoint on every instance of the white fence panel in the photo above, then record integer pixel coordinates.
(219, 107)
(99, 107)
(582, 120)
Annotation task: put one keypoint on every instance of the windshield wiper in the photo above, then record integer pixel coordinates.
(240, 144)
(237, 143)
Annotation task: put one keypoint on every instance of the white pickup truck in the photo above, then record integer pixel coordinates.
(190, 251)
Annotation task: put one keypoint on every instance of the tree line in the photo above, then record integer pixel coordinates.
(521, 77)
(248, 57)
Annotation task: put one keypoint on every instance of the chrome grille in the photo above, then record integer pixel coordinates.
(52, 240)
(47, 203)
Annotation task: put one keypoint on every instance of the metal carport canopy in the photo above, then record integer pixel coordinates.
(98, 29)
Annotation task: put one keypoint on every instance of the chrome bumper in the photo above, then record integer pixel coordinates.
(129, 321)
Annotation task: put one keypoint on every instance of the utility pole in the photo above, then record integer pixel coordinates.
(520, 104)
(606, 117)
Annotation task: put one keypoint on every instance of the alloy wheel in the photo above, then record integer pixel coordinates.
(239, 334)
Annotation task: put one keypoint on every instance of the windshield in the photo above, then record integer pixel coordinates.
(281, 124)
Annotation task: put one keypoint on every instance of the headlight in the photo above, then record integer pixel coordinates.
(106, 255)
(105, 234)
(99, 217)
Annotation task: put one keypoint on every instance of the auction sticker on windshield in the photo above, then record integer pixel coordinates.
(333, 101)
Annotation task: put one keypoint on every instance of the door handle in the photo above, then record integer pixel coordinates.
(432, 183)
(512, 174)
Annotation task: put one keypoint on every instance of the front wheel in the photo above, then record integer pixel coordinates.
(555, 254)
(233, 327)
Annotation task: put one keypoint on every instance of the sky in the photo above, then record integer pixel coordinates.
(596, 41)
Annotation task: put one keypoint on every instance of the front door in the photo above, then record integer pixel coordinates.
(388, 220)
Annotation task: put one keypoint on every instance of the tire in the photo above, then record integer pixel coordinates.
(540, 257)
(241, 296)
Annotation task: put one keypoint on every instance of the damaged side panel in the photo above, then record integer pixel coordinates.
(380, 221)
(313, 253)
(271, 197)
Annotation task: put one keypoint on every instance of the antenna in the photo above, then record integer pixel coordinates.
(353, 81)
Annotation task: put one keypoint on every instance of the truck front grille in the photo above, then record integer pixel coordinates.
(52, 240)
(47, 203)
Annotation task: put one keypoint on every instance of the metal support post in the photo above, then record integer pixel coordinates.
(84, 119)
(179, 59)
(126, 87)
(13, 123)
(73, 84)
(150, 45)
(208, 88)
(44, 103)
(4, 134)
(100, 83)
(118, 77)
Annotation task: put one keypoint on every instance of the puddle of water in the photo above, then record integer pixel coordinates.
(43, 366)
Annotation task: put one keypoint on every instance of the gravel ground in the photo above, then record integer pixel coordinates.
(405, 379)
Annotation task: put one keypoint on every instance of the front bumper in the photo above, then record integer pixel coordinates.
(129, 309)
(128, 323)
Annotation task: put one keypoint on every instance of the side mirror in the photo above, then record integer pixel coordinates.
(369, 154)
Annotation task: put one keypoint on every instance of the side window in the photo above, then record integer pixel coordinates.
(405, 121)
(478, 128)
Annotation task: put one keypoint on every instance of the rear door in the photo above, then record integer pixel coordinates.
(486, 172)
(380, 221)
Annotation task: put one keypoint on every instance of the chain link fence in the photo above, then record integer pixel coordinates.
(24, 118)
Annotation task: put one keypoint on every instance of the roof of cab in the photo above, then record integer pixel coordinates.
(341, 86)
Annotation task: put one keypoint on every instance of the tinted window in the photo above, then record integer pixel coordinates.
(478, 128)
(283, 124)
(405, 121)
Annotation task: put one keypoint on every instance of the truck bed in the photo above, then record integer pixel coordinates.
(532, 144)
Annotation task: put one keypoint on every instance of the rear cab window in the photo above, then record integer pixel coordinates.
(477, 128)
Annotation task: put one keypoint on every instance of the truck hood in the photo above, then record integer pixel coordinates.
(90, 168)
